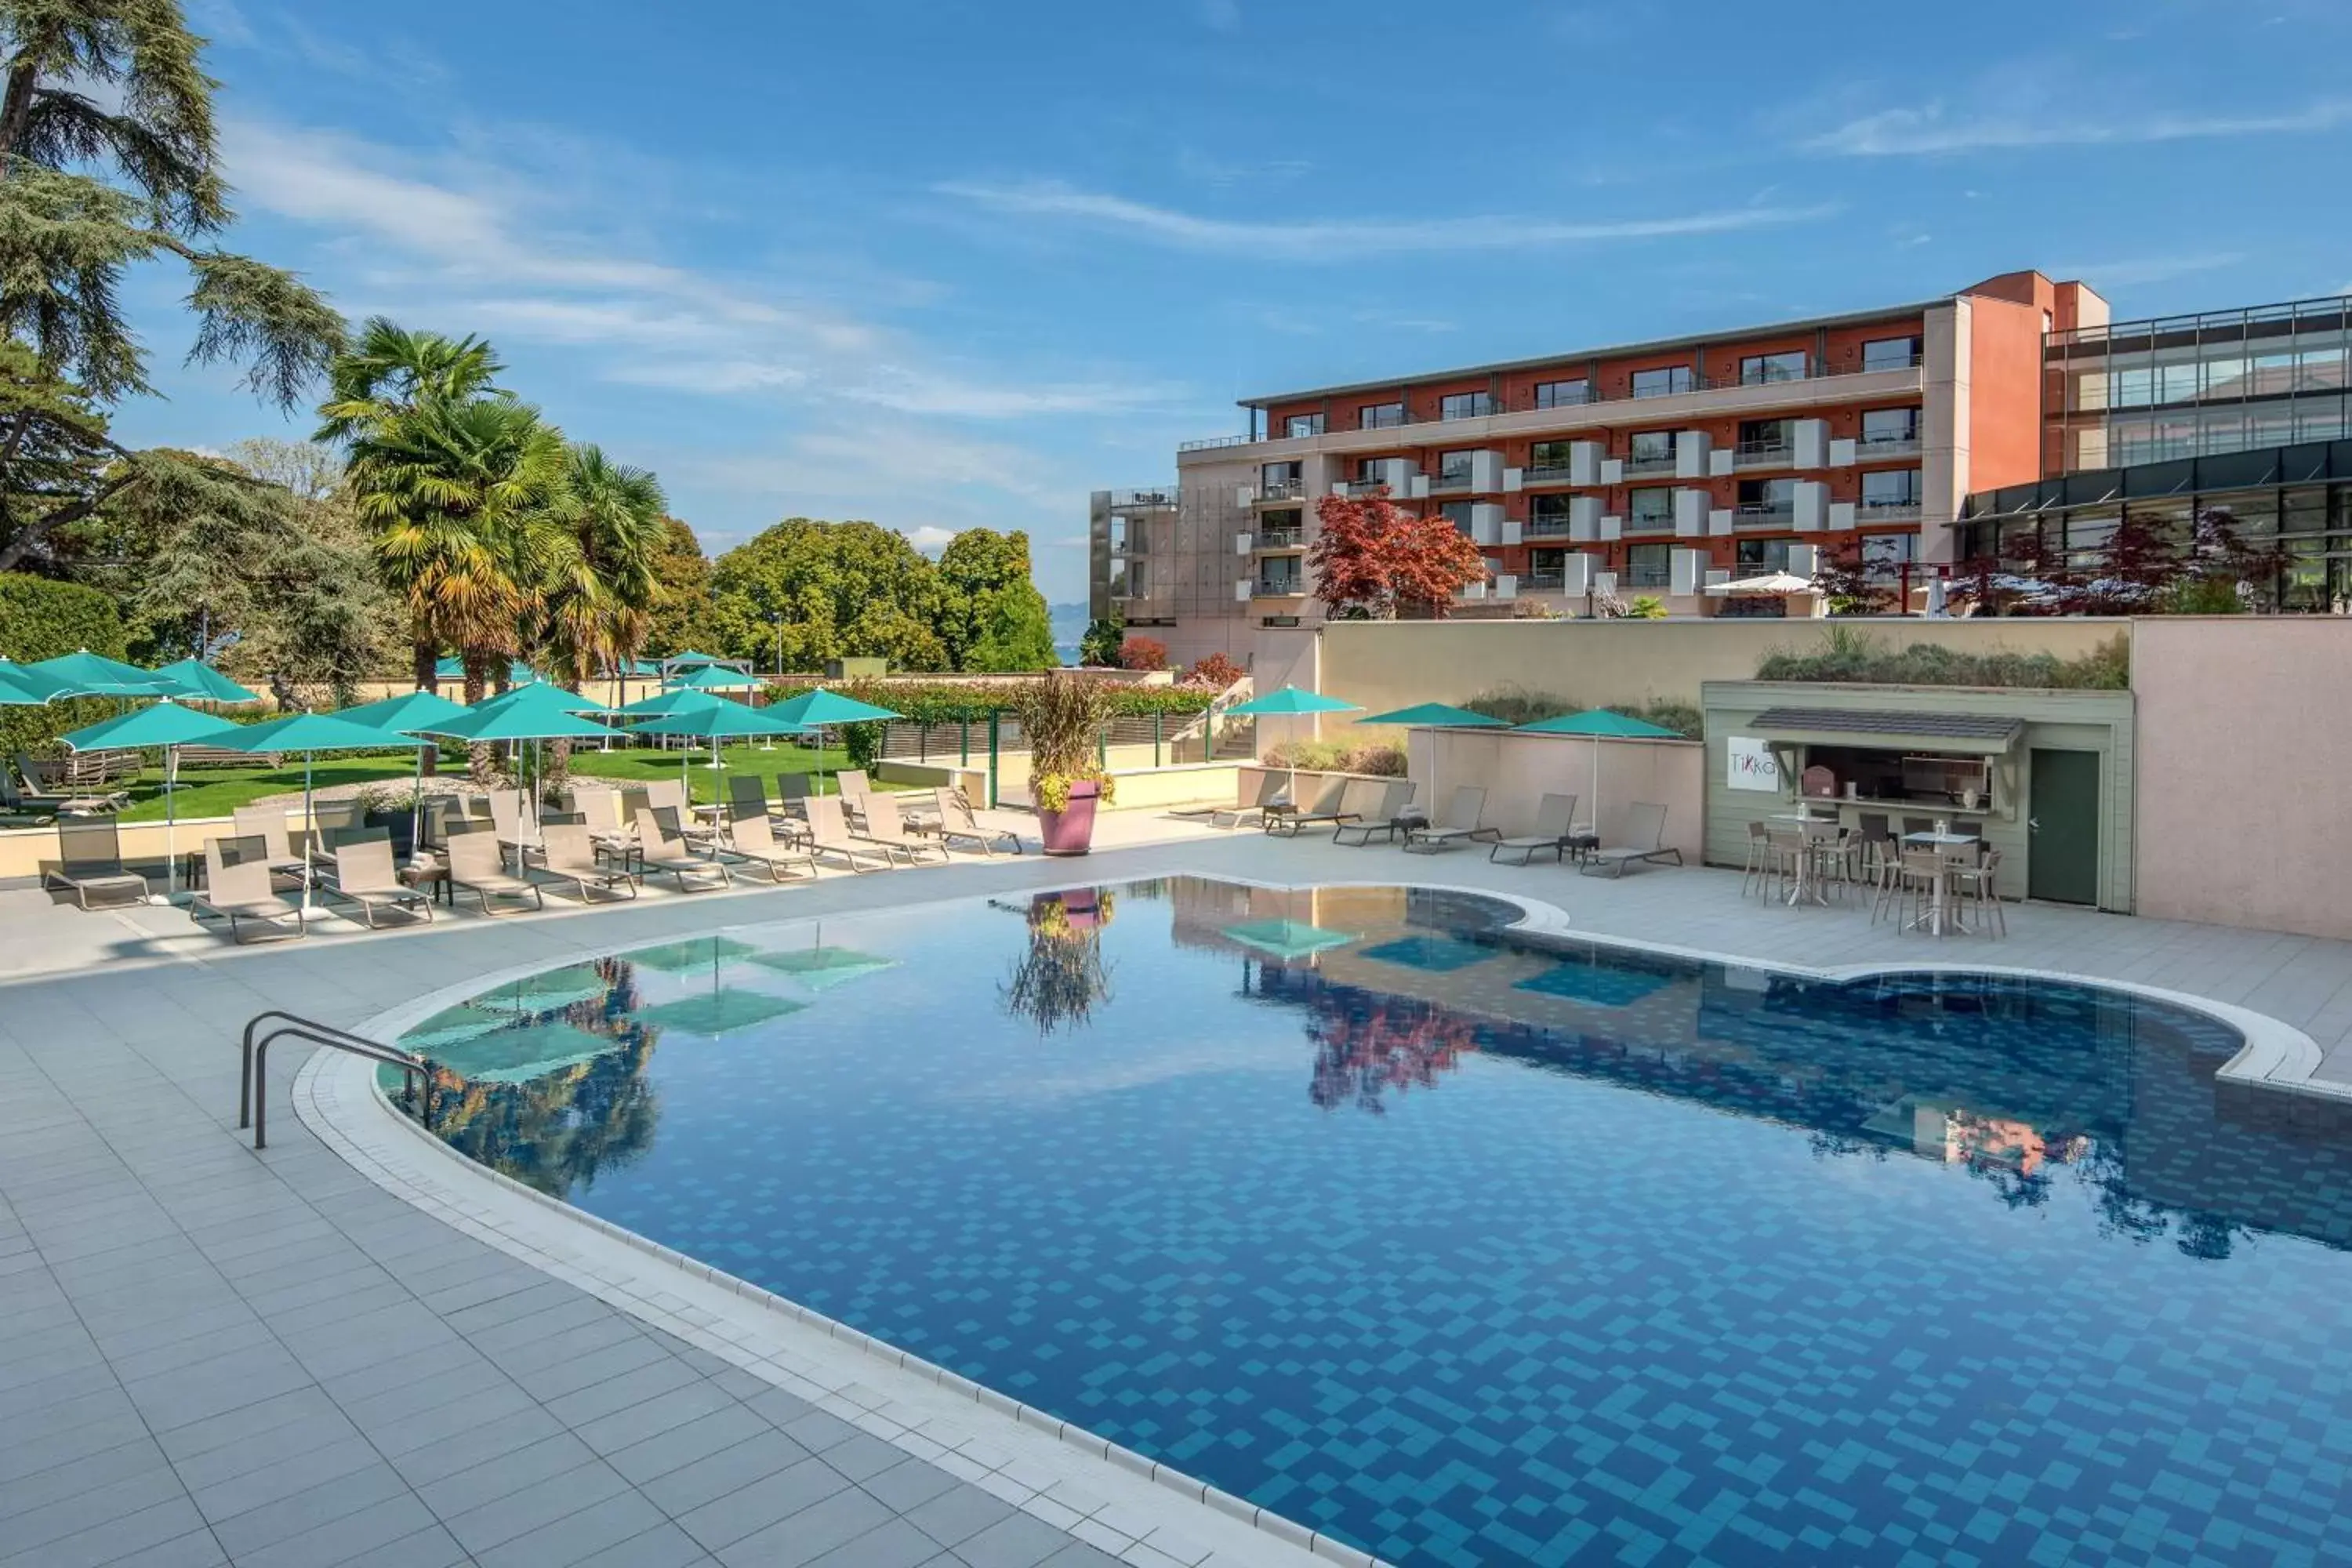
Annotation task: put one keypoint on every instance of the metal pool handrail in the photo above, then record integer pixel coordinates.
(253, 1087)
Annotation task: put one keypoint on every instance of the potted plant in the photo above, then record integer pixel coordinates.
(1061, 717)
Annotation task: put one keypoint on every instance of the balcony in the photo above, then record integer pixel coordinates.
(1280, 538)
(1456, 480)
(1777, 453)
(1476, 405)
(1765, 514)
(1886, 447)
(1544, 581)
(1658, 522)
(1278, 491)
(1637, 467)
(1391, 420)
(1558, 475)
(1552, 525)
(1871, 512)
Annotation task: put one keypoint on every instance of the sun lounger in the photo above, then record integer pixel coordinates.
(661, 846)
(364, 874)
(887, 829)
(956, 822)
(669, 794)
(478, 866)
(238, 888)
(46, 793)
(1268, 791)
(829, 835)
(1554, 822)
(268, 823)
(90, 864)
(568, 853)
(1463, 824)
(1645, 839)
(1386, 816)
(517, 834)
(1327, 806)
(751, 839)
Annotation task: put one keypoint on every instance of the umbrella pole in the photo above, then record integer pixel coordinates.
(171, 823)
(307, 759)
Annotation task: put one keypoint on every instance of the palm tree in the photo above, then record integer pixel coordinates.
(597, 603)
(386, 378)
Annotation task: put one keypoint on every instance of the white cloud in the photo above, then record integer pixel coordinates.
(929, 538)
(1341, 239)
(2137, 269)
(1900, 133)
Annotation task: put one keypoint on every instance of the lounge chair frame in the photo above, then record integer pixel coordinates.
(1616, 857)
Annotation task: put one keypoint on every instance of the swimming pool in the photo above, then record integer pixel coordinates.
(1472, 1247)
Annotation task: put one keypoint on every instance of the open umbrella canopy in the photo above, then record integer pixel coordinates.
(638, 667)
(411, 712)
(308, 733)
(164, 723)
(691, 660)
(22, 687)
(1437, 716)
(1771, 584)
(523, 722)
(1602, 722)
(88, 674)
(678, 701)
(819, 707)
(544, 697)
(719, 677)
(202, 683)
(517, 672)
(1291, 700)
(719, 720)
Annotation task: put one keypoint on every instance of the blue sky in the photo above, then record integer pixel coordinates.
(938, 265)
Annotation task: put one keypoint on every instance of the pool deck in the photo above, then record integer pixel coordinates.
(210, 1355)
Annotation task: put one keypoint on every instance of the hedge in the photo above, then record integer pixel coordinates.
(41, 619)
(951, 702)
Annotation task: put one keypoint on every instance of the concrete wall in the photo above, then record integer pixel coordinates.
(1389, 665)
(2244, 763)
(1517, 771)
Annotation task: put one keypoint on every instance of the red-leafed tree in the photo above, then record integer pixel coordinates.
(1374, 560)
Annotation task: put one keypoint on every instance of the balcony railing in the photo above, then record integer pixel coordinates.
(1888, 510)
(1459, 480)
(1550, 473)
(1280, 538)
(1765, 514)
(1280, 588)
(1388, 421)
(1663, 522)
(1871, 450)
(1763, 454)
(1538, 582)
(1530, 404)
(1577, 399)
(1665, 465)
(1143, 500)
(1482, 407)
(1552, 527)
(1281, 490)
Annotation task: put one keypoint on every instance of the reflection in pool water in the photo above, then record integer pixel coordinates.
(1475, 1249)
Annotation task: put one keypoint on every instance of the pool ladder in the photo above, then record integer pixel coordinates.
(253, 1087)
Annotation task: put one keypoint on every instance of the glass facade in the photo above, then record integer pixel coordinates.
(2194, 386)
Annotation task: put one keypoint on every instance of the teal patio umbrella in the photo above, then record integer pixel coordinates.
(719, 677)
(1289, 702)
(720, 720)
(817, 708)
(519, 674)
(164, 724)
(22, 687)
(410, 713)
(690, 660)
(309, 733)
(506, 720)
(88, 674)
(202, 683)
(1599, 724)
(677, 700)
(1436, 715)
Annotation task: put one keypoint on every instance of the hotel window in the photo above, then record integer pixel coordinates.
(1886, 555)
(1760, 436)
(1650, 446)
(1380, 417)
(1663, 383)
(1548, 457)
(1890, 353)
(1563, 394)
(1371, 470)
(1546, 568)
(1757, 556)
(1303, 425)
(1890, 487)
(1467, 405)
(1548, 514)
(1767, 498)
(1133, 538)
(1278, 574)
(1277, 477)
(1653, 508)
(1276, 529)
(1756, 369)
(1457, 512)
(1649, 565)
(1883, 427)
(1454, 468)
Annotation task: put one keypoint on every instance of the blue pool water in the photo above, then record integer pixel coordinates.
(1473, 1249)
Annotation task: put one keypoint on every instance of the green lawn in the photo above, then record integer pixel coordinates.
(216, 791)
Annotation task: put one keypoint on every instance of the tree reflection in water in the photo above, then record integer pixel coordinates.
(1061, 975)
(561, 1131)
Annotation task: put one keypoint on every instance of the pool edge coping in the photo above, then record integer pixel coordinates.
(2274, 1055)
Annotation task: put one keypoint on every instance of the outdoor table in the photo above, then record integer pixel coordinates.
(1808, 889)
(433, 876)
(1938, 917)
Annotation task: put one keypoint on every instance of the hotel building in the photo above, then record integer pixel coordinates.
(1653, 468)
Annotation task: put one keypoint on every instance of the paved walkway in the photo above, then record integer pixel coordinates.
(209, 1356)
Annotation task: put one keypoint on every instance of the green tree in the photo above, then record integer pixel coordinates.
(843, 589)
(598, 599)
(1104, 637)
(107, 160)
(681, 616)
(1016, 632)
(992, 616)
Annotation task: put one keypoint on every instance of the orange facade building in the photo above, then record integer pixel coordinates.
(1654, 469)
